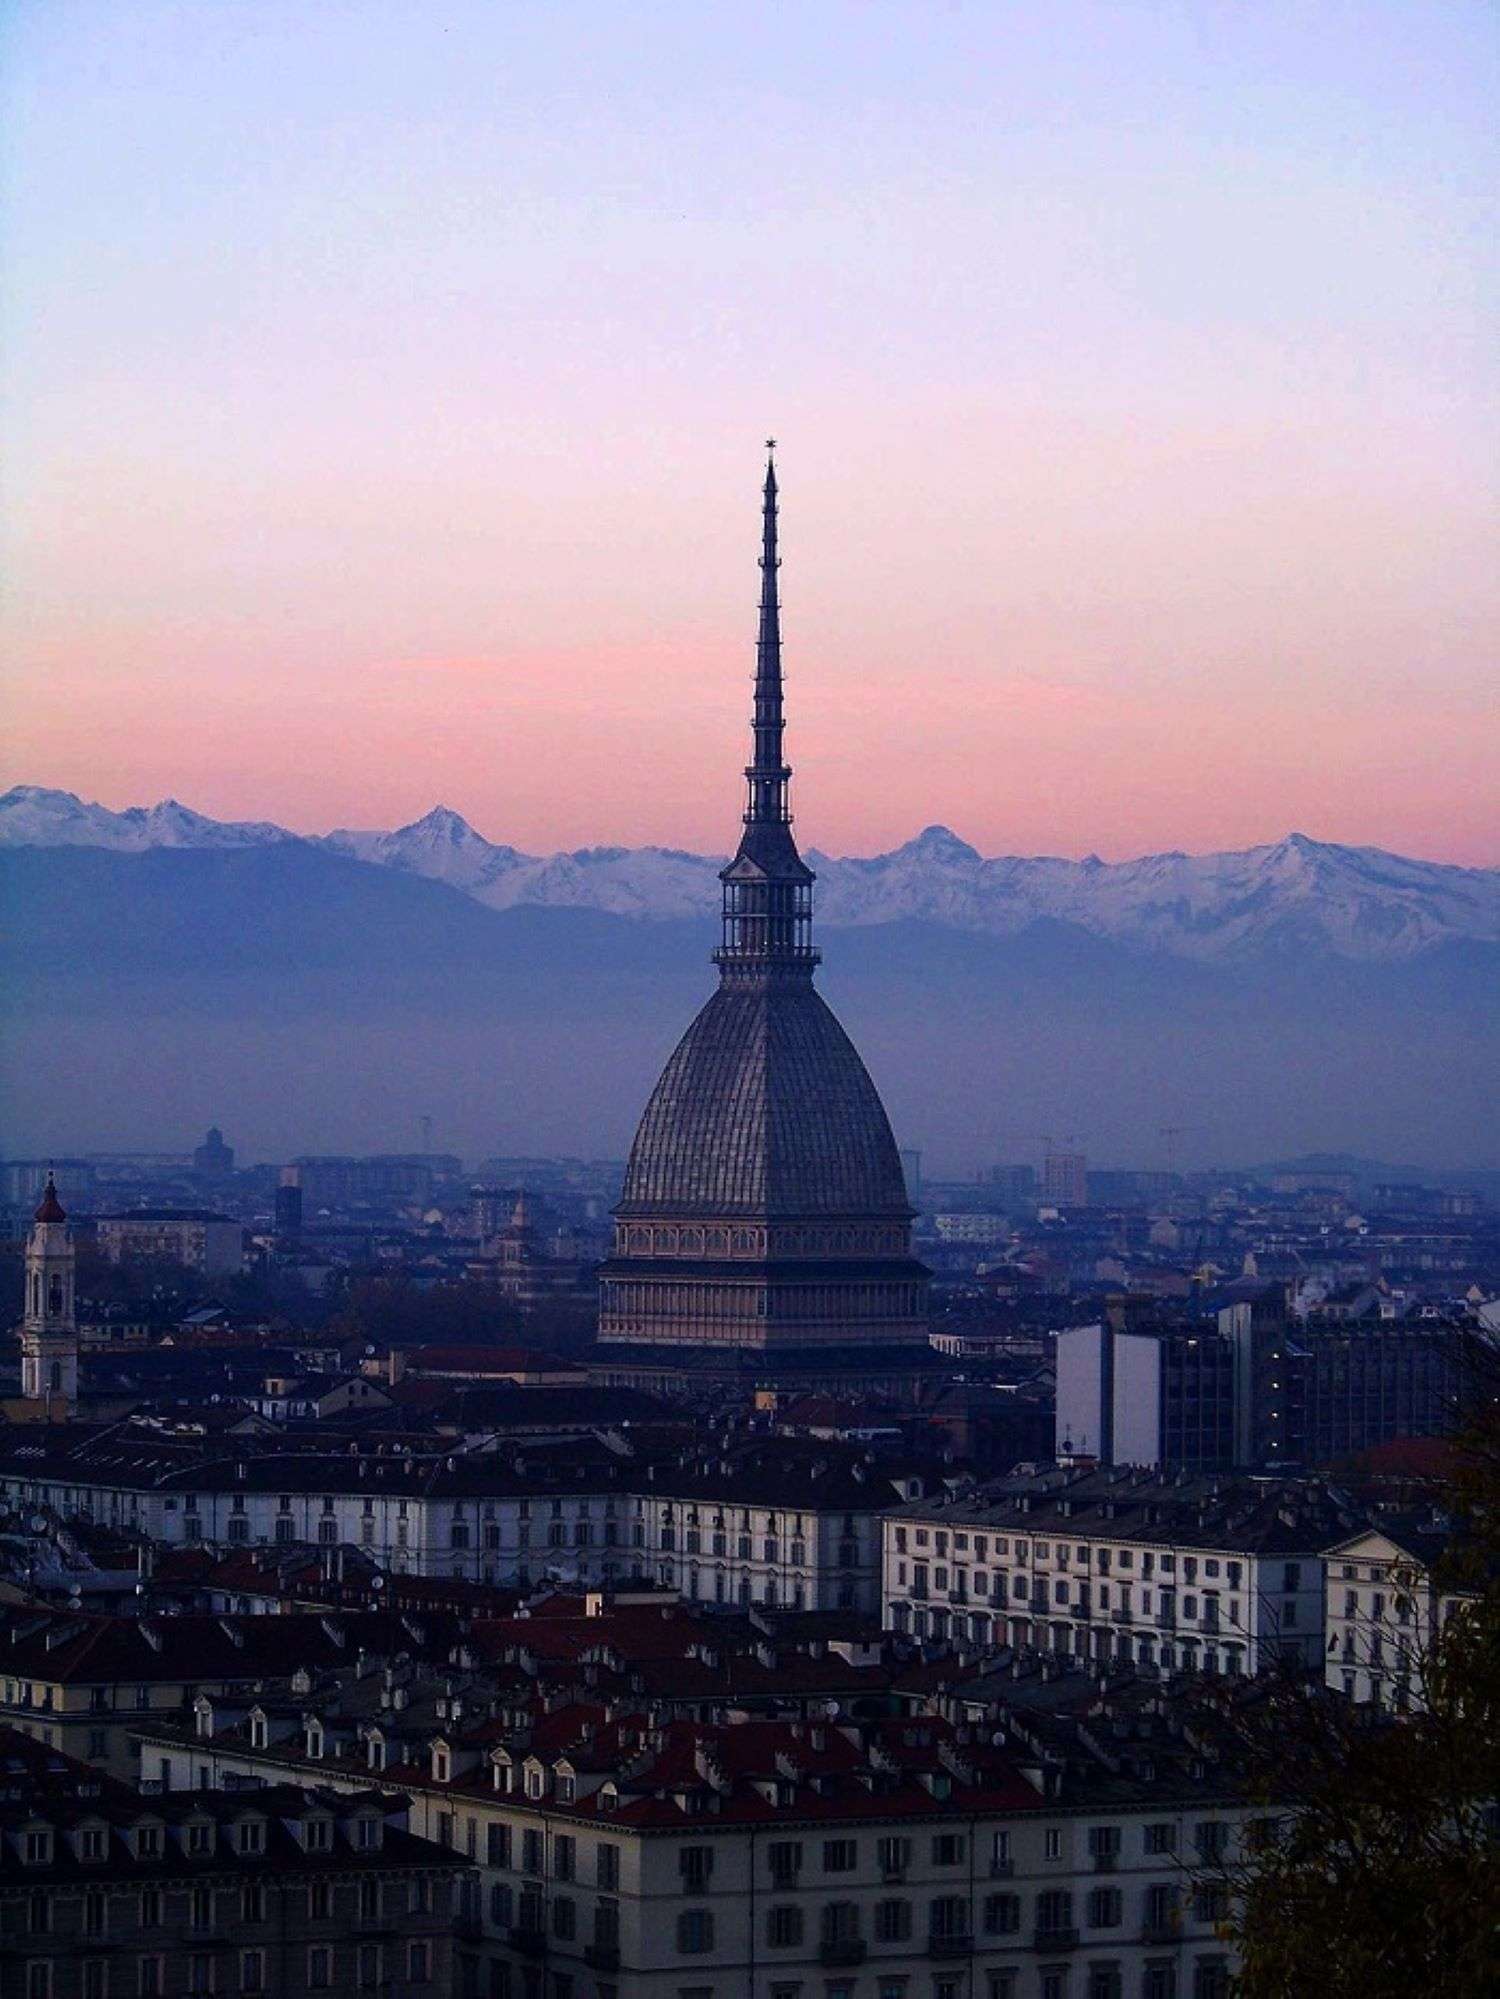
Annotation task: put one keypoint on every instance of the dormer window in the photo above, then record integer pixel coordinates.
(441, 1766)
(39, 1847)
(319, 1835)
(258, 1731)
(367, 1834)
(91, 1843)
(147, 1842)
(250, 1836)
(199, 1838)
(567, 1789)
(377, 1752)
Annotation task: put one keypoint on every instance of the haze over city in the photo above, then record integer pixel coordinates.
(750, 871)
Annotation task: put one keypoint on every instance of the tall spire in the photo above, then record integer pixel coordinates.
(767, 886)
(767, 772)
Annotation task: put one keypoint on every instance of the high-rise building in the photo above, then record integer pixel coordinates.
(1251, 1390)
(1133, 1392)
(764, 1203)
(1014, 1186)
(288, 1216)
(1065, 1180)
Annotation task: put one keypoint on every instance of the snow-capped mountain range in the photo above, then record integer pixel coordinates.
(1355, 902)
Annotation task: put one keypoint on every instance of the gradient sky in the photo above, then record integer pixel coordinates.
(385, 386)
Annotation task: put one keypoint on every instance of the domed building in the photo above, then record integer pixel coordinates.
(764, 1205)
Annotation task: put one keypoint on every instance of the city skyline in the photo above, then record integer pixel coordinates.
(877, 1381)
(1131, 369)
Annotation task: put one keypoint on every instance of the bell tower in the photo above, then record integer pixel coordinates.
(49, 1331)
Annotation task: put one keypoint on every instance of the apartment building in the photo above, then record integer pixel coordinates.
(81, 1685)
(623, 1856)
(780, 1522)
(1386, 1605)
(275, 1891)
(1182, 1574)
(197, 1238)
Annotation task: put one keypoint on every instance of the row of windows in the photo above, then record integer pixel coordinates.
(958, 1584)
(1103, 1559)
(785, 1858)
(1108, 1641)
(787, 1304)
(503, 1849)
(948, 1918)
(665, 1239)
(527, 1850)
(1158, 1978)
(1208, 1978)
(205, 1906)
(204, 1972)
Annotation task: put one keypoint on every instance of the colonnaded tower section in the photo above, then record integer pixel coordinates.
(764, 1202)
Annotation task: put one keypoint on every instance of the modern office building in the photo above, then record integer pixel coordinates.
(1250, 1388)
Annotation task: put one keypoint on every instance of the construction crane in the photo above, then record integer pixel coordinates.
(1046, 1139)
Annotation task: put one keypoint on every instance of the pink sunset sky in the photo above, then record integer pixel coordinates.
(385, 388)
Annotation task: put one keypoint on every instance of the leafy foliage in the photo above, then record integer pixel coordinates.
(1380, 1871)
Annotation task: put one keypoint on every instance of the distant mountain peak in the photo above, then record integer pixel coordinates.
(34, 815)
(442, 819)
(940, 843)
(30, 794)
(1295, 894)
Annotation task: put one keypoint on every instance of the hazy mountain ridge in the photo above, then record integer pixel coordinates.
(309, 1001)
(1358, 903)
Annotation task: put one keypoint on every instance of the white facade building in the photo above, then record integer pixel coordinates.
(1109, 1566)
(739, 1534)
(663, 1873)
(1385, 1607)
